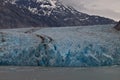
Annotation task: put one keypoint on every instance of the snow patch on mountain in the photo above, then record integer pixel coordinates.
(33, 7)
(33, 10)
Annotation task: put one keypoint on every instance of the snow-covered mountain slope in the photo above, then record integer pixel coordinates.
(65, 46)
(49, 13)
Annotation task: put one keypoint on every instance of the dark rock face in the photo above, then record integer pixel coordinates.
(44, 13)
(117, 27)
(13, 17)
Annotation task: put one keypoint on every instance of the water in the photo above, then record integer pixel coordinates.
(41, 73)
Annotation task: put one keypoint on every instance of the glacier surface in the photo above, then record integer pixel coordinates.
(81, 46)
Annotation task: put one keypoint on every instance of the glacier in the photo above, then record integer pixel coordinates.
(81, 46)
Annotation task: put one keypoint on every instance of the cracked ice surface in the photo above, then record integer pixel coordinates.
(65, 46)
(85, 45)
(15, 48)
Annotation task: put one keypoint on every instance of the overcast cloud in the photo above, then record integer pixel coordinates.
(107, 8)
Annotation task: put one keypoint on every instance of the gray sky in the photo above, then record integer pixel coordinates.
(107, 8)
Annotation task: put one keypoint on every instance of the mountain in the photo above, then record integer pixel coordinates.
(117, 27)
(44, 13)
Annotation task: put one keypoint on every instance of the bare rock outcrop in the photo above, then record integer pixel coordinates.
(117, 27)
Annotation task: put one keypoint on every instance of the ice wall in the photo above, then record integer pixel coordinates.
(81, 46)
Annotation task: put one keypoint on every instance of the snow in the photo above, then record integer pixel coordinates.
(81, 46)
(53, 3)
(39, 0)
(33, 10)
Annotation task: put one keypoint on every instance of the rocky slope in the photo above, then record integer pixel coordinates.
(117, 27)
(45, 13)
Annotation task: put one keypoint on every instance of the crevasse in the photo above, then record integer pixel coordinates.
(61, 47)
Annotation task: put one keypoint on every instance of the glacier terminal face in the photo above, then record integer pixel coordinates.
(82, 46)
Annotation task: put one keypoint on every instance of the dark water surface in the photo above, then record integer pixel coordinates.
(40, 73)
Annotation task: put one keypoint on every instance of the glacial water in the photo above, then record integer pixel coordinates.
(47, 73)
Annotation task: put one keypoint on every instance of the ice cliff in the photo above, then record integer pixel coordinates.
(61, 47)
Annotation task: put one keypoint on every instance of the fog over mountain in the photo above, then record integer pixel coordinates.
(107, 8)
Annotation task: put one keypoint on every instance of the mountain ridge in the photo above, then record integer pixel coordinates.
(44, 13)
